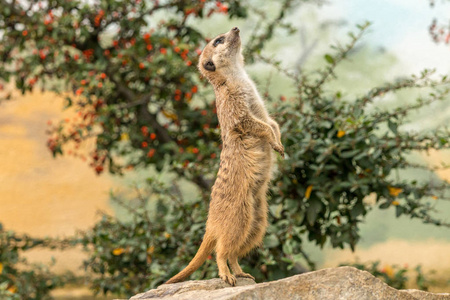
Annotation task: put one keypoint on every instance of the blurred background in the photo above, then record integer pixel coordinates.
(102, 115)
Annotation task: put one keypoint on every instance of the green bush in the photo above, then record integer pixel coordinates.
(18, 278)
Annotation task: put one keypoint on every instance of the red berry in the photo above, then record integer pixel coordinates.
(152, 136)
(144, 144)
(195, 150)
(103, 76)
(163, 50)
(99, 169)
(151, 153)
(141, 65)
(144, 130)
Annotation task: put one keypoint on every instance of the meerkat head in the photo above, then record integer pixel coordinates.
(222, 56)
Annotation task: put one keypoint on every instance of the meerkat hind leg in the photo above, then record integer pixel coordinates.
(224, 271)
(259, 226)
(236, 268)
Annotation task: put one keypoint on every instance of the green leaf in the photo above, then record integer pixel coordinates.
(399, 210)
(393, 126)
(276, 210)
(385, 205)
(271, 241)
(329, 59)
(315, 206)
(357, 210)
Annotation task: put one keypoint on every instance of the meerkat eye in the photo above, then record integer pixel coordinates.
(219, 41)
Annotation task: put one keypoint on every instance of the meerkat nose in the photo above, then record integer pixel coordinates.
(236, 29)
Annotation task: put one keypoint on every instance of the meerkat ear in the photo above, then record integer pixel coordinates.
(209, 66)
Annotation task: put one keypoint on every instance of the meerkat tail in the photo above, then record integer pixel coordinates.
(203, 252)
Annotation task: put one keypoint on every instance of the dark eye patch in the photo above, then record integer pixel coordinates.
(219, 41)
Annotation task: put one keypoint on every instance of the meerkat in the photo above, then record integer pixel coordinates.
(237, 217)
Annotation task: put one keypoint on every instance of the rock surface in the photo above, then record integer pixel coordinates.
(336, 283)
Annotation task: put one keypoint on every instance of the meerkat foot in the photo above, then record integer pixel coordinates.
(244, 275)
(228, 278)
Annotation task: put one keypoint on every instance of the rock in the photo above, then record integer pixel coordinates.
(335, 283)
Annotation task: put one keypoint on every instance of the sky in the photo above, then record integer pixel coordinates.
(401, 27)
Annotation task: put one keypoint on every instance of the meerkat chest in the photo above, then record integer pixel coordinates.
(256, 104)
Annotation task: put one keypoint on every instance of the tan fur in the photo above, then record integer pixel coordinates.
(237, 218)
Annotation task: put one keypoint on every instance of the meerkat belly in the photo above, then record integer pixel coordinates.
(248, 158)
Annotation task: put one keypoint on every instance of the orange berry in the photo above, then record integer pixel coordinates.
(195, 150)
(25, 33)
(194, 89)
(103, 76)
(177, 49)
(152, 136)
(100, 85)
(83, 82)
(141, 65)
(144, 144)
(149, 47)
(163, 50)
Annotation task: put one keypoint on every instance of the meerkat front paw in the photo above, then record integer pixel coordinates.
(279, 148)
(228, 278)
